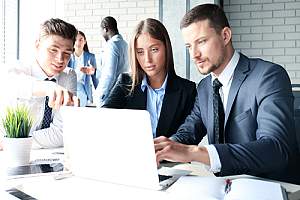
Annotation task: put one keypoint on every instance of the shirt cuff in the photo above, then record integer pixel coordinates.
(214, 159)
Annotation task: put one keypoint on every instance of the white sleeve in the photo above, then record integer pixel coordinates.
(51, 137)
(215, 163)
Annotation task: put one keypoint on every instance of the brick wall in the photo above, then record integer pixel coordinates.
(269, 29)
(86, 15)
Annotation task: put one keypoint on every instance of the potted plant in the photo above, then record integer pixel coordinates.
(17, 143)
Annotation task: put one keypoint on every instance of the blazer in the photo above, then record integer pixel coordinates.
(88, 59)
(259, 125)
(177, 103)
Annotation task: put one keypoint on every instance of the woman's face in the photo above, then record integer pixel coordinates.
(151, 55)
(80, 42)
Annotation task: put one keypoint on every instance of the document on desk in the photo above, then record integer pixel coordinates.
(217, 188)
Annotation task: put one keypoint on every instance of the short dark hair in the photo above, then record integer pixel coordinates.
(58, 27)
(157, 31)
(212, 12)
(110, 23)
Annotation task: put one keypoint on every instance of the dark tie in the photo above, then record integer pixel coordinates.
(219, 114)
(47, 112)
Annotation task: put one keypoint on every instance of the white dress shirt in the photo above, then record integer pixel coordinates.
(226, 79)
(18, 82)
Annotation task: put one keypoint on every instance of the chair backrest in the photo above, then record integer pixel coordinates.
(296, 93)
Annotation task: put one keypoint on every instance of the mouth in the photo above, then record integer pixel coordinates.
(57, 66)
(150, 67)
(199, 62)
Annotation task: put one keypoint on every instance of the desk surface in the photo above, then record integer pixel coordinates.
(47, 187)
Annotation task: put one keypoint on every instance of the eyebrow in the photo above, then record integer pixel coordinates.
(155, 44)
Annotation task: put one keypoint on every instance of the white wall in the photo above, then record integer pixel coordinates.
(86, 15)
(32, 14)
(268, 29)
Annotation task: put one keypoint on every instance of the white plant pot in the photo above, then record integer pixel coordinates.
(17, 151)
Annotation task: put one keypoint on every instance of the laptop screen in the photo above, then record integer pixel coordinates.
(112, 145)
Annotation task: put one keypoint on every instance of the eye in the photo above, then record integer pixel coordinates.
(153, 50)
(52, 50)
(67, 54)
(139, 52)
(202, 42)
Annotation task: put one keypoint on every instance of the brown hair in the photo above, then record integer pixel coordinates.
(157, 30)
(212, 12)
(85, 47)
(58, 27)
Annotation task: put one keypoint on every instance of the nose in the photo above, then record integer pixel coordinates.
(148, 57)
(59, 57)
(194, 52)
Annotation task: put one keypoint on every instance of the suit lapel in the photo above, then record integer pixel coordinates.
(140, 99)
(239, 76)
(169, 105)
(210, 117)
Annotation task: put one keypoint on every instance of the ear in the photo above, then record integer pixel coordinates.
(226, 34)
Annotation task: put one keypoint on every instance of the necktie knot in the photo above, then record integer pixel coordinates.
(217, 84)
(52, 79)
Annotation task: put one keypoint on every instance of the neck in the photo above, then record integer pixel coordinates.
(157, 81)
(78, 52)
(227, 57)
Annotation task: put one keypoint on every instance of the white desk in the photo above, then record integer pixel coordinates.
(47, 187)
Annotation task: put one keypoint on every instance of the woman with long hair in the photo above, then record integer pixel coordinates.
(153, 84)
(85, 66)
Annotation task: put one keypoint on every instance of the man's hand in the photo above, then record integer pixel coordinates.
(166, 149)
(57, 94)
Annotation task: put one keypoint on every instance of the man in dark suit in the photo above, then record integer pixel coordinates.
(255, 135)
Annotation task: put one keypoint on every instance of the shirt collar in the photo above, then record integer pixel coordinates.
(227, 73)
(145, 84)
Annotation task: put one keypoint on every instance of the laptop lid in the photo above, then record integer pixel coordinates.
(112, 145)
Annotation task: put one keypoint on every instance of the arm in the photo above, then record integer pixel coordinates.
(192, 130)
(94, 75)
(273, 124)
(108, 73)
(53, 136)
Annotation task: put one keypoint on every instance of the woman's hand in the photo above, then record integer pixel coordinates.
(90, 70)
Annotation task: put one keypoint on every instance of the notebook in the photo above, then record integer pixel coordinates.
(111, 145)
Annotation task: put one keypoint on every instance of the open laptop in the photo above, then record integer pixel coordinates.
(112, 145)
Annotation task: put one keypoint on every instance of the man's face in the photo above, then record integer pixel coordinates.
(104, 33)
(206, 47)
(53, 53)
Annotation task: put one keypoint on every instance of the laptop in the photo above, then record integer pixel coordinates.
(111, 145)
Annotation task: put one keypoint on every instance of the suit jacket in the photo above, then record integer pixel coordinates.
(177, 103)
(259, 125)
(88, 59)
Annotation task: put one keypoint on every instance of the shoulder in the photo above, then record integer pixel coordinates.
(89, 54)
(68, 72)
(183, 81)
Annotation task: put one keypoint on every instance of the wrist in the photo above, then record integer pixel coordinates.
(200, 154)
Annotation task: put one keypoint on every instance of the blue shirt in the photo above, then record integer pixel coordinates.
(154, 101)
(115, 62)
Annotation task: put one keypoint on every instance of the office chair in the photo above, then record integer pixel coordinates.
(296, 93)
